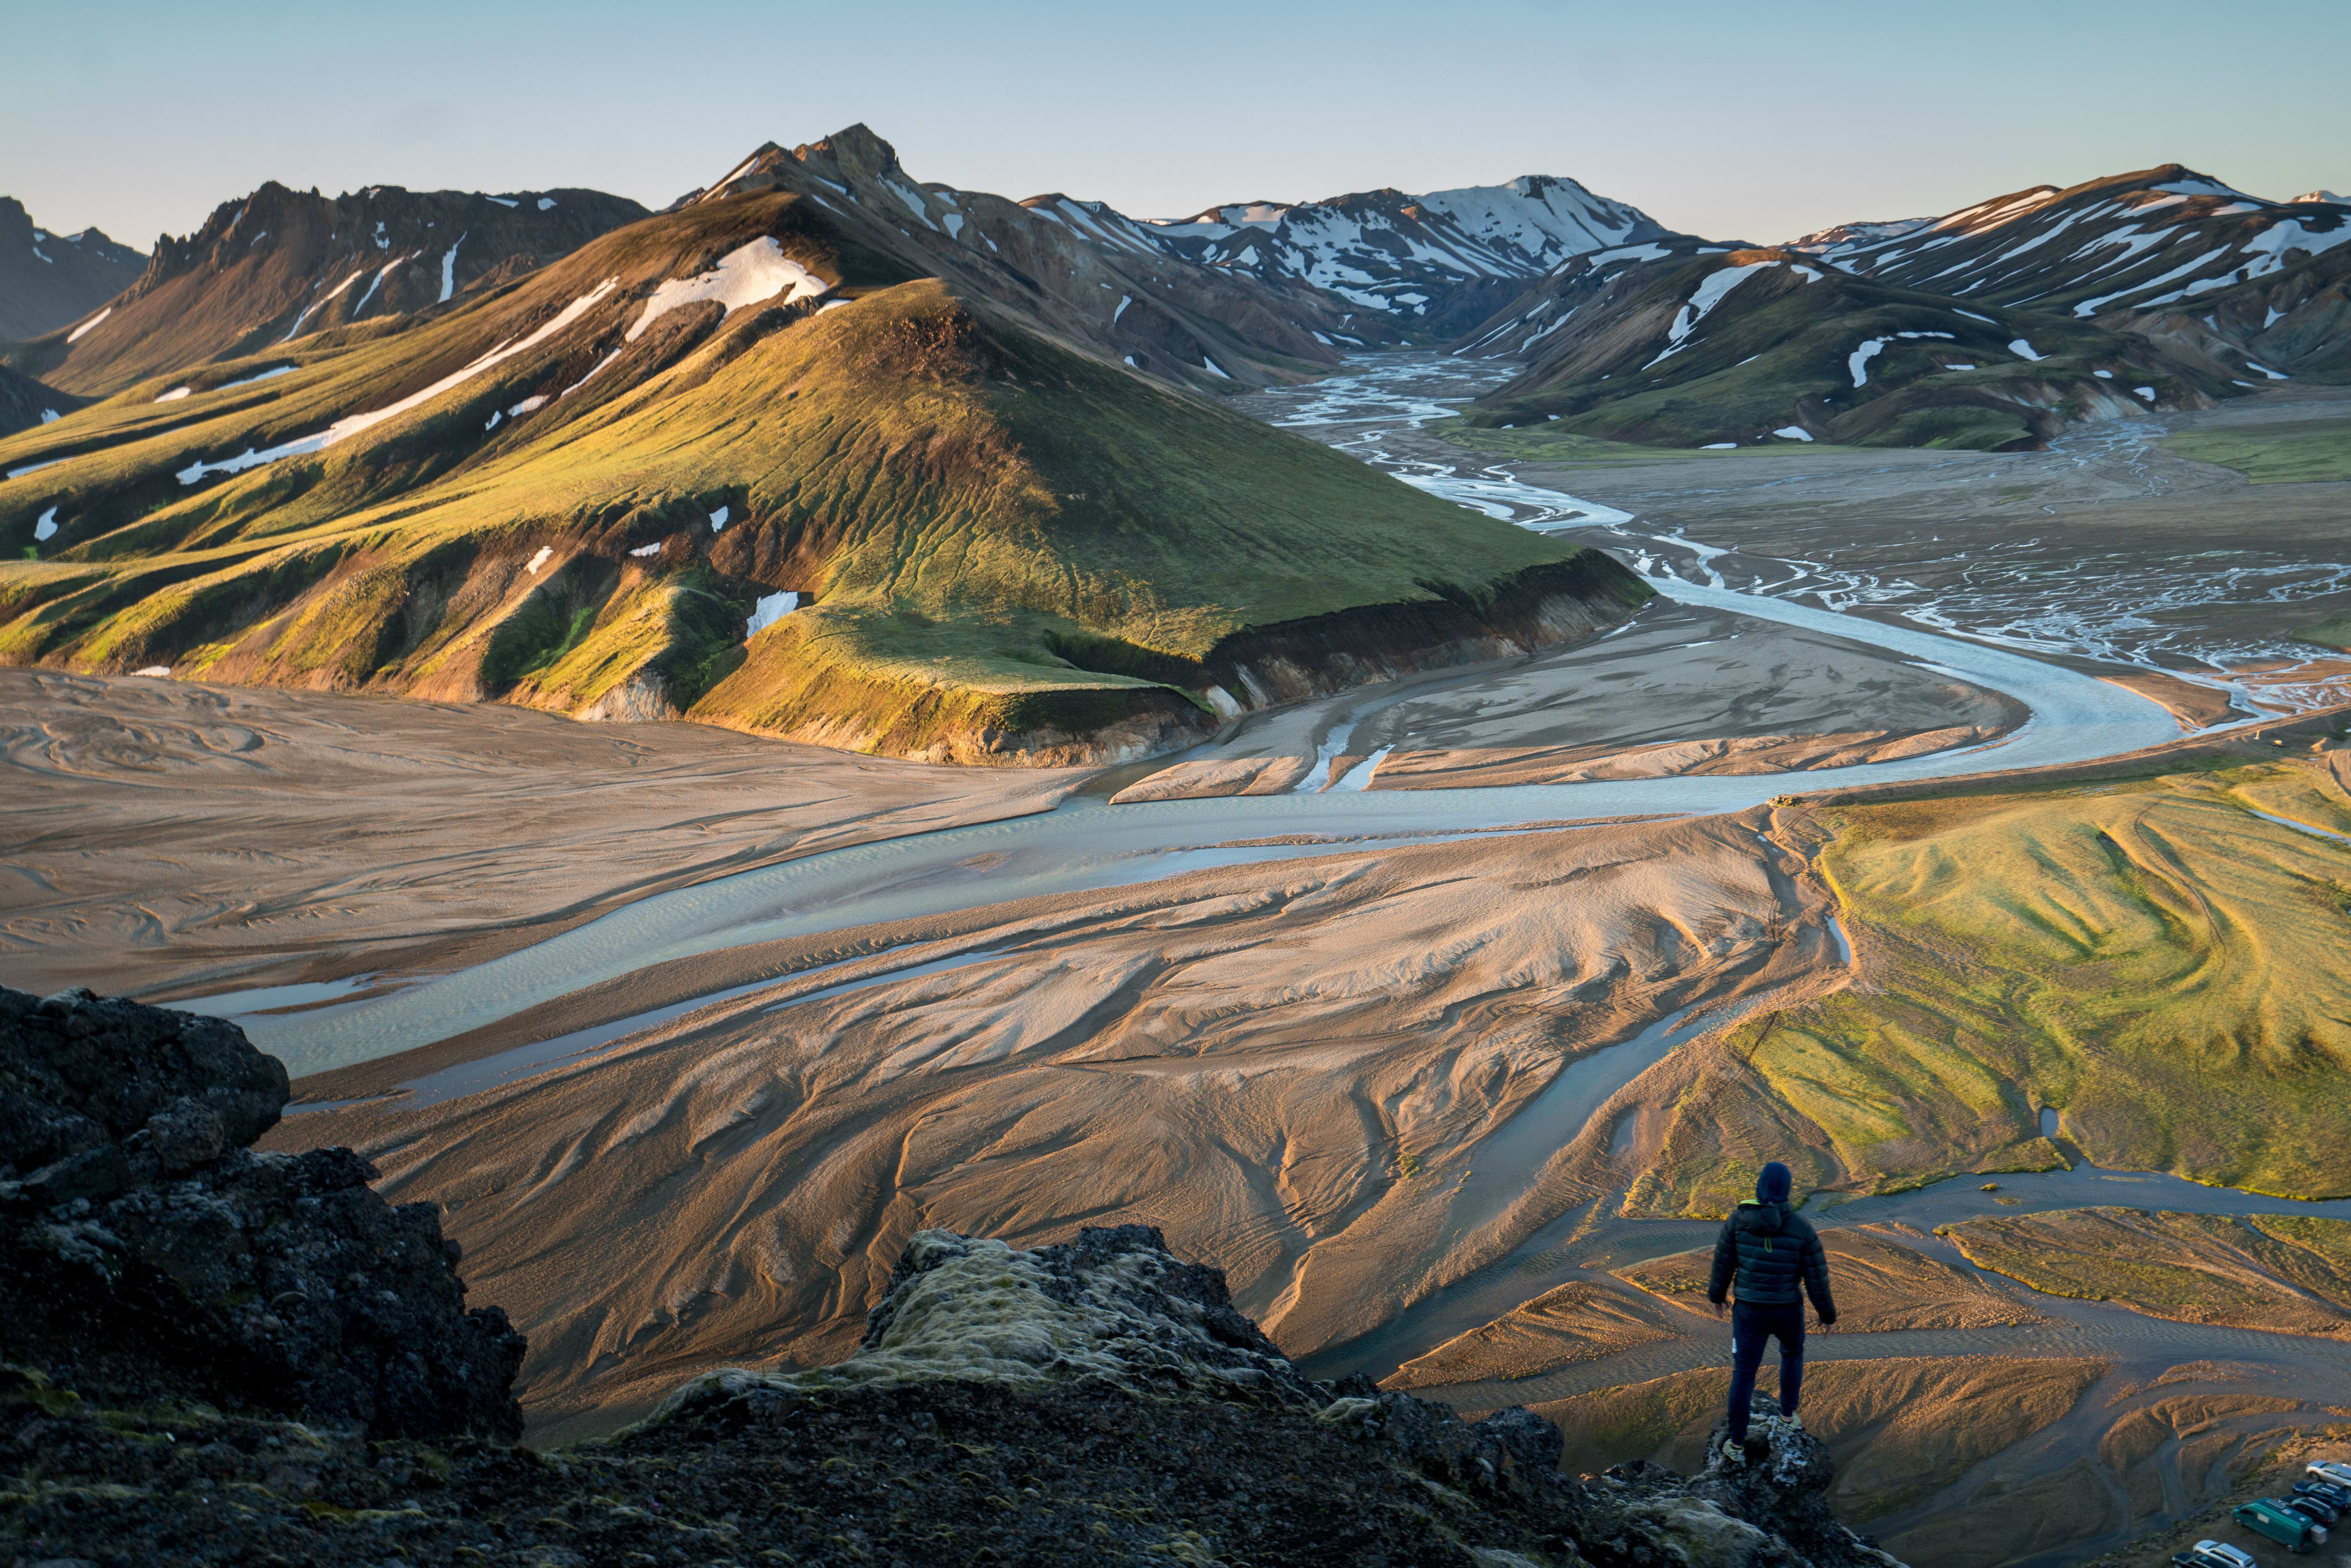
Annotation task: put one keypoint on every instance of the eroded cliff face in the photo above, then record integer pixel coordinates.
(216, 1356)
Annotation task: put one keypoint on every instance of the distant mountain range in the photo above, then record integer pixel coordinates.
(1996, 325)
(49, 279)
(826, 451)
(1435, 264)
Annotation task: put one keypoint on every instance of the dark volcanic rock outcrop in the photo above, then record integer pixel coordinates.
(1097, 1402)
(146, 1252)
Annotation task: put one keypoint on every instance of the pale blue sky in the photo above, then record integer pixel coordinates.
(1754, 120)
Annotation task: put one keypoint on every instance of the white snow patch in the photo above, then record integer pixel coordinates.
(2104, 375)
(1972, 316)
(652, 549)
(2273, 375)
(1629, 253)
(449, 271)
(379, 277)
(747, 275)
(954, 223)
(539, 559)
(1794, 432)
(502, 200)
(50, 416)
(547, 203)
(1858, 360)
(2023, 350)
(2273, 318)
(343, 429)
(75, 335)
(47, 527)
(1126, 299)
(2092, 306)
(1705, 298)
(262, 376)
(1215, 369)
(2197, 188)
(1719, 446)
(768, 611)
(527, 405)
(159, 672)
(495, 417)
(1959, 366)
(52, 462)
(174, 395)
(2146, 393)
(291, 332)
(718, 519)
(914, 202)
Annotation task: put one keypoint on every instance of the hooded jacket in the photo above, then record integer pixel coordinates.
(1776, 1256)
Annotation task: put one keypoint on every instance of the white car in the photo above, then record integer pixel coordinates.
(2220, 1551)
(2329, 1470)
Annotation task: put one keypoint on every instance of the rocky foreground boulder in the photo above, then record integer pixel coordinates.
(167, 1398)
(146, 1252)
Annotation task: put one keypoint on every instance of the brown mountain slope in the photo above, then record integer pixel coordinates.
(281, 264)
(1077, 270)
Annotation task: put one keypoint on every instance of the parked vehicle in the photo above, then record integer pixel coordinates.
(2220, 1554)
(2311, 1509)
(2337, 1497)
(2282, 1524)
(2212, 1555)
(2332, 1470)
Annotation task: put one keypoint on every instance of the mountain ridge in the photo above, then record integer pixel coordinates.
(277, 263)
(48, 280)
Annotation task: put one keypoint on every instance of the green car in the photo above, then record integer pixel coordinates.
(2282, 1524)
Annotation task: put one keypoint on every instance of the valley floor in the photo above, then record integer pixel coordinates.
(1398, 1056)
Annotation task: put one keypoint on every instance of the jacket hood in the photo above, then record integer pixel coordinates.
(1764, 1218)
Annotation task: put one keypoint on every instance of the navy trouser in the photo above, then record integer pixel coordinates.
(1753, 1328)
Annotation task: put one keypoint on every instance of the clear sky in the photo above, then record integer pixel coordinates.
(1756, 120)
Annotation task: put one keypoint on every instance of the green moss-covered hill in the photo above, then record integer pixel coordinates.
(1001, 548)
(1703, 347)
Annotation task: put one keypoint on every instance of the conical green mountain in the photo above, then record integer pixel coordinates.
(739, 462)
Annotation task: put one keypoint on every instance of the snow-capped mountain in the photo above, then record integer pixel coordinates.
(48, 280)
(281, 264)
(1675, 344)
(2124, 242)
(1432, 264)
(1079, 270)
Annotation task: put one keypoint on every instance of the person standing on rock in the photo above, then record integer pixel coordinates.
(1776, 1257)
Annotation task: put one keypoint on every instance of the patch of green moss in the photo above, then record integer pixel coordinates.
(2156, 961)
(2297, 452)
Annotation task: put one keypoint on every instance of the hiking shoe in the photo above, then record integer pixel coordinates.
(1733, 1453)
(1788, 1423)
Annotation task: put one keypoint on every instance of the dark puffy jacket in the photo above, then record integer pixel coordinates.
(1776, 1257)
